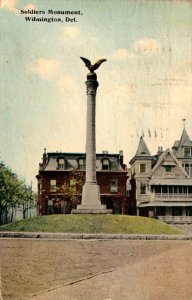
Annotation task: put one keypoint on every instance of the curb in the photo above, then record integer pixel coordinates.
(92, 236)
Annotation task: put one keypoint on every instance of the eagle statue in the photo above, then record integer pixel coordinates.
(91, 67)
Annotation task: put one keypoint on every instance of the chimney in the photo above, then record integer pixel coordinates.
(121, 158)
(44, 157)
(160, 150)
(105, 152)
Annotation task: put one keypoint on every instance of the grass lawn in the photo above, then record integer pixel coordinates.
(91, 224)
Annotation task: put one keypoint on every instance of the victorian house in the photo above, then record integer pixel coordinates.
(57, 171)
(161, 184)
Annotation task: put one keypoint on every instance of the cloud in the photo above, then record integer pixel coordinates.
(71, 33)
(65, 83)
(143, 46)
(29, 6)
(9, 5)
(46, 68)
(146, 46)
(122, 54)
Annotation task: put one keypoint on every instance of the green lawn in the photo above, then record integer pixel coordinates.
(91, 224)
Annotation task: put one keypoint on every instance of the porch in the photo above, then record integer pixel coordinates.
(176, 219)
(175, 196)
(168, 212)
(171, 192)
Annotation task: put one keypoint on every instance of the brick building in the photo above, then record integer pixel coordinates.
(56, 169)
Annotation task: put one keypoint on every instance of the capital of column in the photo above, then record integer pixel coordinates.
(92, 84)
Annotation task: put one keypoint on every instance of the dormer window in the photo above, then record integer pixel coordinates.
(81, 164)
(187, 151)
(105, 164)
(169, 165)
(61, 164)
(167, 168)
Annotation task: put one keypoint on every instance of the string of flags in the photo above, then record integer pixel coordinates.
(152, 133)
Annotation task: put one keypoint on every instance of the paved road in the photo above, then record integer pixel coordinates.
(96, 269)
(157, 277)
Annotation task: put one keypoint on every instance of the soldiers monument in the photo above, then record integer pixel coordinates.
(91, 201)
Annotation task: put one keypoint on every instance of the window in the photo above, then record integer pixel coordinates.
(53, 186)
(187, 151)
(81, 164)
(143, 188)
(164, 189)
(40, 188)
(167, 168)
(50, 207)
(73, 185)
(188, 168)
(114, 186)
(61, 164)
(157, 189)
(160, 211)
(176, 211)
(189, 211)
(180, 189)
(105, 164)
(142, 168)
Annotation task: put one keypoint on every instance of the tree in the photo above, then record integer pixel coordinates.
(27, 200)
(9, 186)
(13, 194)
(71, 190)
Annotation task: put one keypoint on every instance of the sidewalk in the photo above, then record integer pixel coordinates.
(92, 236)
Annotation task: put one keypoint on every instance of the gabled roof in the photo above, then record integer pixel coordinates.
(162, 161)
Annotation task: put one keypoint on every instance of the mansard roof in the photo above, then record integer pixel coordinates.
(71, 161)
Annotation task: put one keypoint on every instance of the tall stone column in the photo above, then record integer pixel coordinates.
(92, 85)
(91, 202)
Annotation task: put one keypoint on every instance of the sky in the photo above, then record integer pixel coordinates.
(145, 87)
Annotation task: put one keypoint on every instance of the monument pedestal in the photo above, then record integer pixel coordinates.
(91, 203)
(91, 211)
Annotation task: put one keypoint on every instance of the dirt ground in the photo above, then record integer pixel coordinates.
(96, 269)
